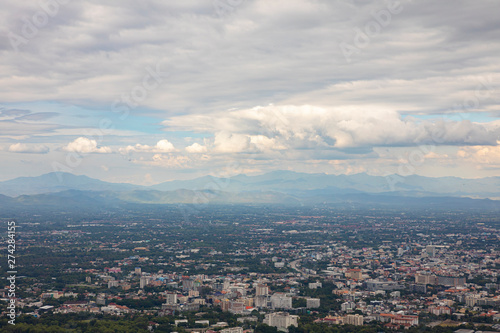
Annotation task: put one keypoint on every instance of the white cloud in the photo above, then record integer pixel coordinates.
(196, 148)
(28, 148)
(225, 142)
(85, 146)
(162, 146)
(311, 127)
(169, 161)
(481, 155)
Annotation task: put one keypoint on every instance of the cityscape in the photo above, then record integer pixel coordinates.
(250, 166)
(244, 269)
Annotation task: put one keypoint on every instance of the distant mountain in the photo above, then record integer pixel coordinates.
(93, 201)
(291, 182)
(287, 184)
(57, 182)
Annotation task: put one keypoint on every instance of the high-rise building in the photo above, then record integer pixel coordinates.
(312, 303)
(281, 301)
(144, 281)
(281, 320)
(431, 250)
(261, 290)
(356, 320)
(171, 298)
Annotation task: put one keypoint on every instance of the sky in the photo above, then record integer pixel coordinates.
(149, 91)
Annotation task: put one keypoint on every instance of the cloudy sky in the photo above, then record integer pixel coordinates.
(149, 91)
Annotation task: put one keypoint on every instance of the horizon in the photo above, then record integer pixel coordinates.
(236, 175)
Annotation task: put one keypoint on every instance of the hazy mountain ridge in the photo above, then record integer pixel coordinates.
(287, 184)
(58, 182)
(73, 200)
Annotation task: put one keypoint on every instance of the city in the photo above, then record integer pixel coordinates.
(243, 269)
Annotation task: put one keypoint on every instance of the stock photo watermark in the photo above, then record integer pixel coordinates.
(203, 196)
(11, 272)
(224, 8)
(33, 24)
(363, 35)
(417, 157)
(122, 106)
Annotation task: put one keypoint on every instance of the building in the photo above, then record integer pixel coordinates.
(315, 285)
(261, 290)
(418, 288)
(171, 298)
(237, 307)
(356, 274)
(374, 285)
(425, 279)
(281, 301)
(261, 301)
(404, 320)
(281, 320)
(312, 303)
(144, 281)
(113, 283)
(440, 310)
(356, 320)
(430, 250)
(232, 330)
(187, 285)
(449, 281)
(347, 306)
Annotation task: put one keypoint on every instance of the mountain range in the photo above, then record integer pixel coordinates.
(277, 187)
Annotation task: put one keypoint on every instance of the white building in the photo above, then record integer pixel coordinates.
(356, 320)
(281, 301)
(281, 320)
(144, 281)
(347, 306)
(232, 330)
(261, 290)
(312, 303)
(171, 298)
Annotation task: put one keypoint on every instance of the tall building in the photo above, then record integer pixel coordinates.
(187, 284)
(281, 301)
(356, 320)
(281, 320)
(356, 274)
(431, 250)
(144, 281)
(454, 281)
(312, 303)
(171, 298)
(261, 301)
(425, 279)
(261, 290)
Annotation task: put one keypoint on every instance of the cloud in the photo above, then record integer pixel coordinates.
(28, 148)
(11, 113)
(311, 127)
(225, 142)
(84, 146)
(196, 148)
(39, 116)
(162, 146)
(283, 52)
(481, 155)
